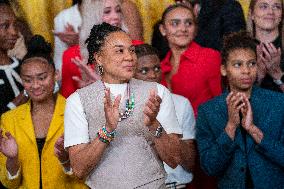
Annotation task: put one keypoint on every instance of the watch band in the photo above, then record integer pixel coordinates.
(159, 131)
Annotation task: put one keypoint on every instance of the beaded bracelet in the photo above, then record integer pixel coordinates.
(105, 136)
(103, 140)
(109, 134)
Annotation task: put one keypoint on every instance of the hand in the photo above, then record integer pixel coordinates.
(246, 110)
(89, 76)
(69, 36)
(111, 111)
(20, 99)
(8, 146)
(271, 59)
(261, 68)
(59, 150)
(234, 103)
(151, 108)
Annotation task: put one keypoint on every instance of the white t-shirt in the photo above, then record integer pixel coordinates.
(186, 120)
(76, 125)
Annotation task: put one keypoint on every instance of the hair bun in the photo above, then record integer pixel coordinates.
(38, 45)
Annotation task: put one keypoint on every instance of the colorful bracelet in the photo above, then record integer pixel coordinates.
(105, 136)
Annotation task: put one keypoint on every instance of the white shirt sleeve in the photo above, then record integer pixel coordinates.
(76, 129)
(167, 114)
(185, 116)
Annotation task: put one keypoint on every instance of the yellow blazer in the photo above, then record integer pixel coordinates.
(19, 123)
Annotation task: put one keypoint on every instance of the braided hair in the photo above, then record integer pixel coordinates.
(38, 47)
(97, 37)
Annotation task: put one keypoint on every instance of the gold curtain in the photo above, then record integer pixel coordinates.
(245, 6)
(151, 11)
(39, 14)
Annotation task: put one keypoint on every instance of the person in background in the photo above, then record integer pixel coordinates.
(158, 41)
(11, 90)
(216, 19)
(66, 31)
(148, 69)
(240, 134)
(265, 24)
(31, 136)
(119, 130)
(188, 69)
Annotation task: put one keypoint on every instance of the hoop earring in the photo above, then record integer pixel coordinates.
(56, 87)
(25, 93)
(100, 69)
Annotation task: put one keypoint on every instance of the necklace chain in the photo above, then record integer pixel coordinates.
(129, 104)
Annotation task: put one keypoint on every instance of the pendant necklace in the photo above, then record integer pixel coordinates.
(129, 104)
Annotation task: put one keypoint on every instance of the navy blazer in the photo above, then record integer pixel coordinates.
(227, 159)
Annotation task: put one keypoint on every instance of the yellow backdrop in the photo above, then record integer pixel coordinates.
(39, 14)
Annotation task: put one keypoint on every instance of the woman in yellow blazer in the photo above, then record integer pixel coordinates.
(32, 147)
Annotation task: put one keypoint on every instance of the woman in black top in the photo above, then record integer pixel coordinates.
(264, 23)
(10, 82)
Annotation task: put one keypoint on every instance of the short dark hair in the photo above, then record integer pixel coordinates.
(38, 47)
(145, 50)
(237, 40)
(97, 37)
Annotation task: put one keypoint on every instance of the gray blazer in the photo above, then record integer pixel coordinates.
(227, 159)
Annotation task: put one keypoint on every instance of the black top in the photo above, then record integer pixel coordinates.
(216, 19)
(40, 144)
(10, 84)
(267, 82)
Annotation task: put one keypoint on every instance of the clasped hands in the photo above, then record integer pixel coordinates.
(150, 111)
(268, 61)
(239, 104)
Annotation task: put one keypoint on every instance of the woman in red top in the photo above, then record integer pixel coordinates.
(108, 11)
(188, 69)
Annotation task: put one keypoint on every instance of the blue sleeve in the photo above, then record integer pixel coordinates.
(272, 148)
(215, 153)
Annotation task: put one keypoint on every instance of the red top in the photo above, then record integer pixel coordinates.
(69, 69)
(198, 77)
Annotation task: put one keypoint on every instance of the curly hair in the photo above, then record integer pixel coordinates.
(97, 37)
(237, 40)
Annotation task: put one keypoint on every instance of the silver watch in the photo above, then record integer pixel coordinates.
(159, 131)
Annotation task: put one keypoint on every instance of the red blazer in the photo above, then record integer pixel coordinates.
(198, 77)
